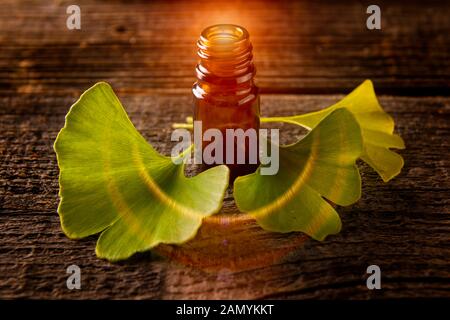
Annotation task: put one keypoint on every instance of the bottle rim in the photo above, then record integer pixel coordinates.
(223, 35)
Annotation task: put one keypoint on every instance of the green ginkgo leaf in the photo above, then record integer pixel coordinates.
(376, 125)
(321, 165)
(111, 178)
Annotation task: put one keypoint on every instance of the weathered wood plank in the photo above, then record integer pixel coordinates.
(300, 47)
(402, 226)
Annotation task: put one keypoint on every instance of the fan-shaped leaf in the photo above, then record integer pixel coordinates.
(111, 178)
(376, 125)
(322, 164)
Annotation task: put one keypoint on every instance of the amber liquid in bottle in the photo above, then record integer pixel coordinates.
(225, 96)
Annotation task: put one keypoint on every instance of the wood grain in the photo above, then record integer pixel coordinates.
(402, 226)
(305, 53)
(300, 47)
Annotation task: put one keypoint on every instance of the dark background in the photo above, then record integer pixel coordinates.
(308, 55)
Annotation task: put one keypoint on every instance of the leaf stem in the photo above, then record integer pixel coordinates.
(188, 126)
(283, 119)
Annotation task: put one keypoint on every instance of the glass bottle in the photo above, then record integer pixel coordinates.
(225, 95)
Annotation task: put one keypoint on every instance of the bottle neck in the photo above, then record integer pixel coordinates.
(226, 65)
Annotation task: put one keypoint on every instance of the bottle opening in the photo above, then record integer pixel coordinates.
(223, 34)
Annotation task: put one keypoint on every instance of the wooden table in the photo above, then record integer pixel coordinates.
(308, 55)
